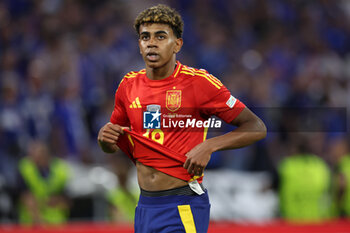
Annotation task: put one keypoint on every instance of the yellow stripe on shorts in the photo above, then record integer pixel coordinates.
(187, 218)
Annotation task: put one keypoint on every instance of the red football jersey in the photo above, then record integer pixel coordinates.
(175, 112)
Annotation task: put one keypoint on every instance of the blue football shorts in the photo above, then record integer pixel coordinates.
(175, 210)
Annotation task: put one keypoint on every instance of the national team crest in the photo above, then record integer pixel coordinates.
(173, 100)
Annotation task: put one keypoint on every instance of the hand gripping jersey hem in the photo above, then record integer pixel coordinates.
(159, 157)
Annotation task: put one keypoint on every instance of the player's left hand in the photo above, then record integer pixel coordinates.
(198, 158)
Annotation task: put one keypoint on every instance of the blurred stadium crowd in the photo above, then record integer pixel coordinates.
(61, 62)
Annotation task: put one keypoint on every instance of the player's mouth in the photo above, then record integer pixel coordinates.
(152, 56)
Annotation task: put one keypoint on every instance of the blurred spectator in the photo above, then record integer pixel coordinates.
(12, 131)
(124, 197)
(69, 122)
(341, 158)
(42, 182)
(344, 185)
(305, 181)
(37, 107)
(7, 200)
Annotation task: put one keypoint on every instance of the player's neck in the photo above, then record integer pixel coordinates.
(162, 72)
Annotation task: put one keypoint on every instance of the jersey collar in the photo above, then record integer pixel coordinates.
(165, 81)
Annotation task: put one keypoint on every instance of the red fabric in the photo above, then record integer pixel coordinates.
(151, 153)
(189, 92)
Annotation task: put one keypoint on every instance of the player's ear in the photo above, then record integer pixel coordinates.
(179, 42)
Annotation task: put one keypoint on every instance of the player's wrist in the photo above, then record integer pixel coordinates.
(107, 147)
(211, 146)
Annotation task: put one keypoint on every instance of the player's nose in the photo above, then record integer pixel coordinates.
(152, 42)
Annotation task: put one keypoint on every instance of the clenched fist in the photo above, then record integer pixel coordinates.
(108, 137)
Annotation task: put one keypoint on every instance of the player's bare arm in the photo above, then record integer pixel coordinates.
(250, 129)
(108, 137)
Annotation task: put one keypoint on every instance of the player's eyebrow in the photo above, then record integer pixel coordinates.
(157, 33)
(160, 32)
(144, 33)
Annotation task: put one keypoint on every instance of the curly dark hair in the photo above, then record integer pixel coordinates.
(160, 14)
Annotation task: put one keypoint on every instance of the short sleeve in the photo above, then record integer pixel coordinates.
(119, 114)
(217, 100)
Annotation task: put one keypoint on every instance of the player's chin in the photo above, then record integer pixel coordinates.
(153, 64)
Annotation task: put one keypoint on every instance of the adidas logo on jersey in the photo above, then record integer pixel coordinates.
(136, 103)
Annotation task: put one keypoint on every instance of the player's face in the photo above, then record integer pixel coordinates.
(158, 44)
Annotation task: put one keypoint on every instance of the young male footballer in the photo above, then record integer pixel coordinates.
(160, 120)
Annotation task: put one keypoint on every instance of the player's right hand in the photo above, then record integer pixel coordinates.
(109, 133)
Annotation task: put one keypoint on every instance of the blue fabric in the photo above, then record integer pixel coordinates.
(161, 215)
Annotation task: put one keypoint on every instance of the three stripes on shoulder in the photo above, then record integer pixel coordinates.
(136, 103)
